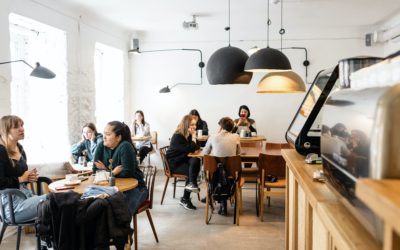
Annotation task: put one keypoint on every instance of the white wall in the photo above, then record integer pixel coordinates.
(272, 112)
(80, 54)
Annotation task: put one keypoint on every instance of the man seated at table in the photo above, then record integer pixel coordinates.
(223, 144)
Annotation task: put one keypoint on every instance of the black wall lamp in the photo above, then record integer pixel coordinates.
(167, 89)
(38, 71)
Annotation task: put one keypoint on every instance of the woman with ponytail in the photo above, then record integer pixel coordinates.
(118, 147)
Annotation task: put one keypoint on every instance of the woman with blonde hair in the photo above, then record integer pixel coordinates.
(14, 171)
(183, 142)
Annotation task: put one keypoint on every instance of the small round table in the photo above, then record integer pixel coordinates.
(123, 184)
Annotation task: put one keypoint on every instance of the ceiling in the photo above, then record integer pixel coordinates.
(153, 15)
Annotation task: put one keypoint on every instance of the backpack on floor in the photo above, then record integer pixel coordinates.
(44, 222)
(221, 187)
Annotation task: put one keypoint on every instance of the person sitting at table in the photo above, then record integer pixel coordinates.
(244, 122)
(90, 139)
(183, 142)
(223, 144)
(200, 125)
(14, 171)
(140, 127)
(118, 153)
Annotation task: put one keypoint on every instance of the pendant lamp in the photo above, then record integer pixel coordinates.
(268, 59)
(281, 82)
(226, 65)
(38, 71)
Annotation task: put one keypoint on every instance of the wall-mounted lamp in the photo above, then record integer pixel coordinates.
(167, 89)
(38, 71)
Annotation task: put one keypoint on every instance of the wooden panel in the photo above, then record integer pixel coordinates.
(320, 234)
(292, 218)
(301, 215)
(346, 231)
(383, 198)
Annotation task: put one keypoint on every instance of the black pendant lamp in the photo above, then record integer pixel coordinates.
(268, 59)
(226, 65)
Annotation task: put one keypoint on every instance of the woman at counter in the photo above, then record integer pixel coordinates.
(183, 142)
(117, 153)
(14, 171)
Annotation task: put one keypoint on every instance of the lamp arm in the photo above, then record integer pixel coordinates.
(306, 63)
(201, 63)
(17, 61)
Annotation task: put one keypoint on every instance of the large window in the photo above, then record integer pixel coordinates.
(41, 103)
(109, 85)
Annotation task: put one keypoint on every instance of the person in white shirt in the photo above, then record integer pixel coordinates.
(224, 143)
(140, 127)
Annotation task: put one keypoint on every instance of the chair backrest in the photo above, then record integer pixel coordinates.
(233, 164)
(272, 165)
(153, 139)
(163, 154)
(150, 173)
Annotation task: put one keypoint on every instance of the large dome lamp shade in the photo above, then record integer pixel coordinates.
(267, 59)
(226, 65)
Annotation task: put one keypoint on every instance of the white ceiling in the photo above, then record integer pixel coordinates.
(168, 15)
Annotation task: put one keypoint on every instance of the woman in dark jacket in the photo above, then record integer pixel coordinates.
(183, 142)
(88, 143)
(118, 151)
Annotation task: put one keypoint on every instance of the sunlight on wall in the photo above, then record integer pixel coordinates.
(109, 85)
(41, 103)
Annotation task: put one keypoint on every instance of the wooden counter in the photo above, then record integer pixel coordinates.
(383, 198)
(315, 217)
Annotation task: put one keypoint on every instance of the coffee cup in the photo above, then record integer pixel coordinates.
(199, 133)
(71, 177)
(243, 133)
(253, 134)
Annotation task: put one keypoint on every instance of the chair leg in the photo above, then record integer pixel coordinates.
(19, 236)
(152, 224)
(38, 243)
(269, 198)
(165, 189)
(198, 196)
(257, 202)
(261, 198)
(135, 231)
(3, 229)
(175, 179)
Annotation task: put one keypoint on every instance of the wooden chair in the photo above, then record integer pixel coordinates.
(149, 177)
(270, 165)
(234, 170)
(169, 174)
(37, 188)
(154, 143)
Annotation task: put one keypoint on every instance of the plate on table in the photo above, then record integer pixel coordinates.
(72, 183)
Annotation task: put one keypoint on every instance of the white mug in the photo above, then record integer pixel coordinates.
(242, 133)
(199, 133)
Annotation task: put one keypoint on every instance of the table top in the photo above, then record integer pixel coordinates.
(141, 138)
(245, 152)
(123, 184)
(253, 138)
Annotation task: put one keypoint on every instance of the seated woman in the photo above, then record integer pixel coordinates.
(200, 125)
(223, 144)
(118, 147)
(140, 127)
(244, 122)
(88, 143)
(183, 142)
(14, 171)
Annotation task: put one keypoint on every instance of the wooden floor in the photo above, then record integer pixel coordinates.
(178, 228)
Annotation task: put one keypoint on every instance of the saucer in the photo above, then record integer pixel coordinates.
(72, 183)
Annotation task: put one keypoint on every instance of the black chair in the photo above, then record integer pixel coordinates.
(37, 188)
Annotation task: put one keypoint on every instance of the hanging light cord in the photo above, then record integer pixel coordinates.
(282, 30)
(229, 23)
(268, 24)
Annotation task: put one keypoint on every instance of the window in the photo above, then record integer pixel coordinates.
(109, 85)
(41, 103)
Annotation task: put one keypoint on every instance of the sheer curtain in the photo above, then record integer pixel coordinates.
(41, 103)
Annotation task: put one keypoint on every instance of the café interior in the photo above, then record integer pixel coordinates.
(112, 58)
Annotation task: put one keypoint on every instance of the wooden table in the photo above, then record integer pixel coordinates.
(123, 184)
(258, 138)
(141, 138)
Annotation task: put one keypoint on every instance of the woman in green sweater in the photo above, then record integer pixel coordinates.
(118, 146)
